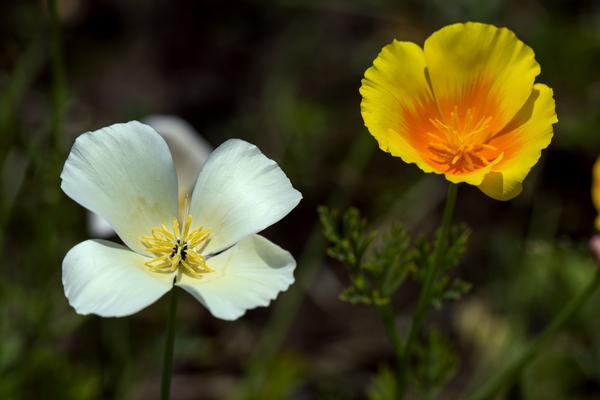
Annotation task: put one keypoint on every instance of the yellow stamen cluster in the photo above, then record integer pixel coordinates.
(177, 248)
(461, 143)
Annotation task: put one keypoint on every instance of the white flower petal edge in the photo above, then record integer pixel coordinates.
(248, 275)
(240, 192)
(188, 150)
(104, 278)
(125, 174)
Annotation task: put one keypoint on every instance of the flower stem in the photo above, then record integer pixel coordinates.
(165, 382)
(387, 316)
(430, 274)
(506, 377)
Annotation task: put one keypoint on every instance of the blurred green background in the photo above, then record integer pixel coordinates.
(285, 76)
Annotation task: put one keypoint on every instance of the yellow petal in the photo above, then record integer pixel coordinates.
(475, 177)
(397, 101)
(495, 186)
(481, 67)
(596, 190)
(522, 141)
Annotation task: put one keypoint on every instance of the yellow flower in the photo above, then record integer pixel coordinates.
(596, 190)
(465, 105)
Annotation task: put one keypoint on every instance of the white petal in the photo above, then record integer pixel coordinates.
(188, 148)
(108, 279)
(240, 192)
(248, 275)
(125, 174)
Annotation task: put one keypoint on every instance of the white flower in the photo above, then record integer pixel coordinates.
(189, 151)
(125, 174)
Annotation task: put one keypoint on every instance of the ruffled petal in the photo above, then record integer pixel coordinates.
(249, 275)
(596, 191)
(475, 177)
(107, 279)
(522, 141)
(397, 102)
(239, 192)
(482, 68)
(125, 174)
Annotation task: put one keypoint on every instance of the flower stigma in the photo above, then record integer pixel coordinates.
(461, 143)
(177, 248)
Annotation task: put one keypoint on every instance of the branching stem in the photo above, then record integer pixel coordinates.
(431, 274)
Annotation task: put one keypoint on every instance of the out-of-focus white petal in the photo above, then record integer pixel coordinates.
(125, 174)
(98, 227)
(189, 151)
(240, 192)
(248, 275)
(108, 279)
(188, 148)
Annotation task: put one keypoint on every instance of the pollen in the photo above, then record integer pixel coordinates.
(461, 143)
(177, 249)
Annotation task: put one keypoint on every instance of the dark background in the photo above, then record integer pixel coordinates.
(285, 76)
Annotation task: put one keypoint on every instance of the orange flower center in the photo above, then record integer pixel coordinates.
(461, 143)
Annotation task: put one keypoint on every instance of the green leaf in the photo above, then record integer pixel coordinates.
(354, 296)
(457, 246)
(383, 386)
(347, 234)
(392, 260)
(377, 271)
(457, 289)
(422, 258)
(436, 364)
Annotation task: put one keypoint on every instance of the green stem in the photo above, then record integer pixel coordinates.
(430, 275)
(387, 316)
(513, 370)
(165, 382)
